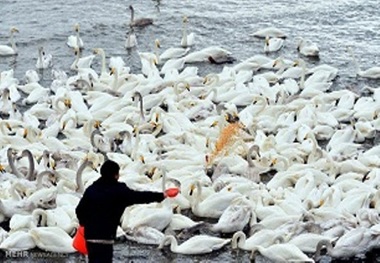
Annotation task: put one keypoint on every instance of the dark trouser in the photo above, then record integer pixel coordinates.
(99, 253)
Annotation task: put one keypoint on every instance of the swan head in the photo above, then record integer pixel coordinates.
(14, 30)
(131, 7)
(185, 19)
(97, 51)
(76, 27)
(157, 43)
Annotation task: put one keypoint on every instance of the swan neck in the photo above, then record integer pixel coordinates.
(238, 239)
(40, 176)
(30, 174)
(13, 43)
(79, 181)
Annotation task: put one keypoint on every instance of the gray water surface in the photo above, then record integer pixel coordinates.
(333, 25)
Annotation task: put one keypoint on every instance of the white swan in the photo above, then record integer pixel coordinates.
(145, 235)
(269, 31)
(75, 41)
(18, 241)
(131, 40)
(81, 62)
(264, 238)
(187, 39)
(273, 44)
(52, 239)
(307, 48)
(140, 22)
(234, 218)
(214, 204)
(200, 244)
(43, 60)
(9, 50)
(371, 73)
(282, 253)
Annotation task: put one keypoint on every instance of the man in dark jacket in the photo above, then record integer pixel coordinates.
(101, 207)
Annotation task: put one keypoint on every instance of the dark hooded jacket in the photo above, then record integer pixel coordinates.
(103, 203)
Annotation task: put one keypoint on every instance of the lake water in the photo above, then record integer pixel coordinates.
(333, 25)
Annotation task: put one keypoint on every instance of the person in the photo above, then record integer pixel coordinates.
(101, 207)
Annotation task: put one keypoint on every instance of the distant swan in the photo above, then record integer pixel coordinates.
(141, 22)
(75, 41)
(371, 73)
(43, 60)
(9, 50)
(187, 39)
(131, 40)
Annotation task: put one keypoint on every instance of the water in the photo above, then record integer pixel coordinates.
(333, 25)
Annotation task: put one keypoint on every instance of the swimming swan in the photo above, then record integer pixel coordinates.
(371, 73)
(141, 22)
(9, 50)
(75, 41)
(43, 60)
(200, 244)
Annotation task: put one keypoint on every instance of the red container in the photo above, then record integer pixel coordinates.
(79, 242)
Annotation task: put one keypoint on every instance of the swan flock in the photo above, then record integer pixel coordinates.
(280, 160)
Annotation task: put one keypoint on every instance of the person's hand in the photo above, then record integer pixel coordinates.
(171, 192)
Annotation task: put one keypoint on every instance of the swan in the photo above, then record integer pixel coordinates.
(273, 44)
(145, 235)
(75, 41)
(131, 40)
(52, 239)
(43, 60)
(352, 243)
(173, 52)
(269, 31)
(187, 39)
(264, 238)
(9, 50)
(81, 62)
(18, 241)
(282, 253)
(141, 22)
(234, 218)
(371, 73)
(307, 48)
(308, 242)
(200, 244)
(214, 204)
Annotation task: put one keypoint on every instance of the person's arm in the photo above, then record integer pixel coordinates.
(81, 210)
(143, 197)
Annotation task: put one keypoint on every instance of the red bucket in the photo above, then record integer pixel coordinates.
(79, 242)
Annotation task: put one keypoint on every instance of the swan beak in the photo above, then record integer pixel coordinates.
(76, 27)
(142, 159)
(187, 86)
(205, 80)
(63, 125)
(157, 43)
(214, 124)
(207, 142)
(151, 172)
(9, 127)
(67, 103)
(95, 51)
(275, 63)
(192, 187)
(113, 70)
(25, 134)
(274, 162)
(157, 117)
(97, 124)
(185, 19)
(321, 202)
(2, 169)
